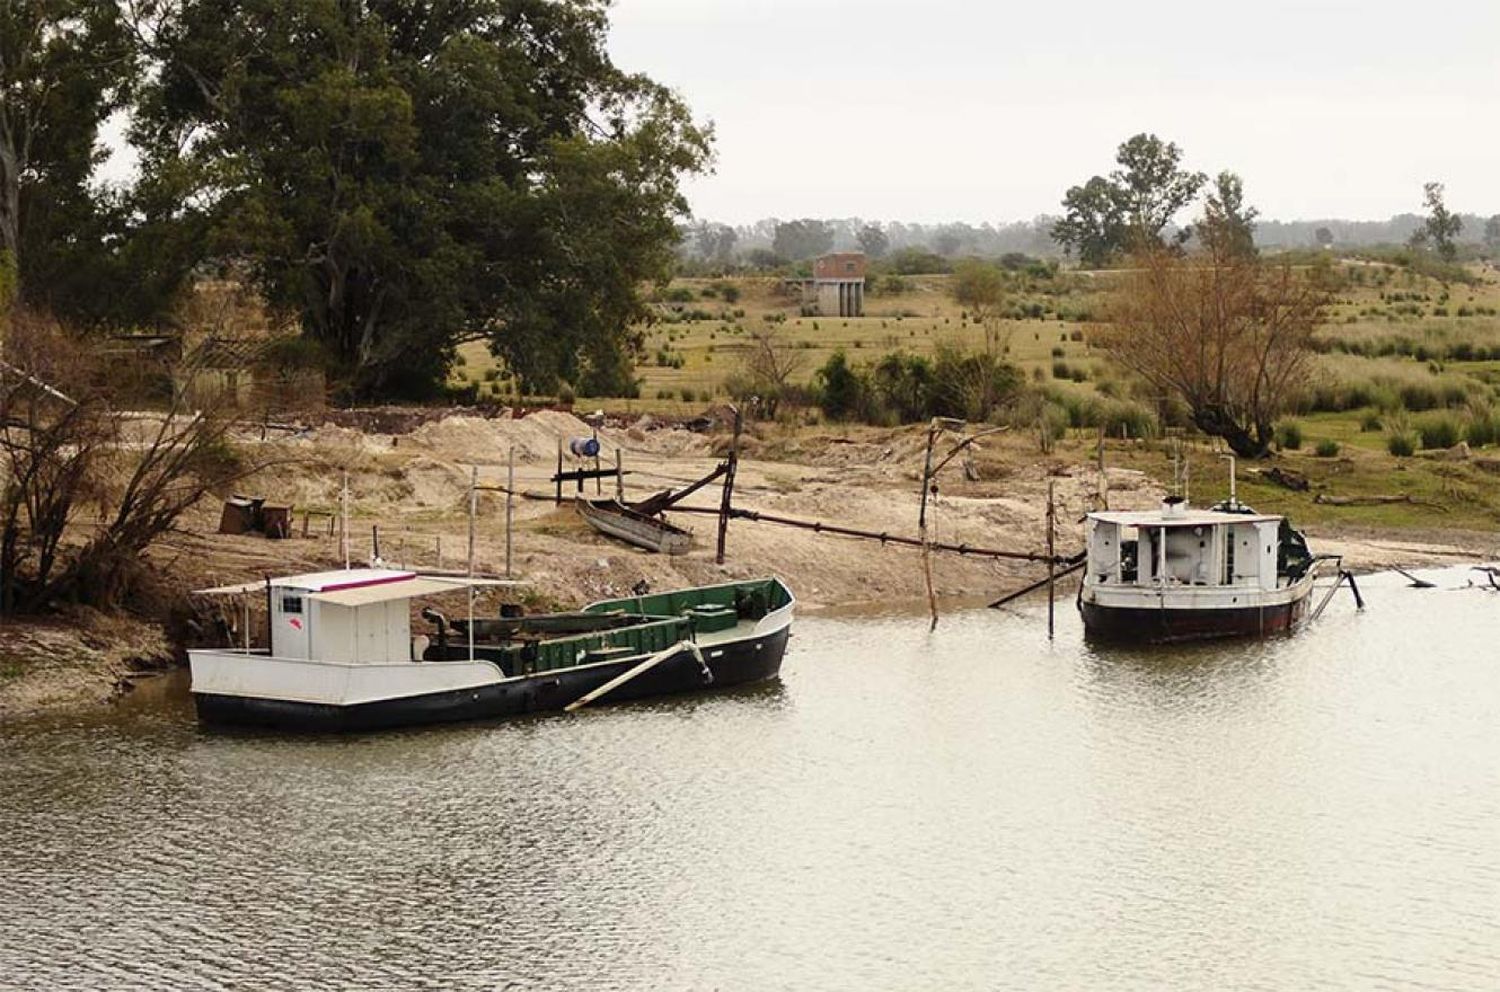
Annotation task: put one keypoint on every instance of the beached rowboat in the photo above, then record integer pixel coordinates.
(610, 516)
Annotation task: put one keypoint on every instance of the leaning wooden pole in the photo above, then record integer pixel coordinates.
(473, 511)
(726, 500)
(932, 432)
(510, 504)
(344, 521)
(1051, 560)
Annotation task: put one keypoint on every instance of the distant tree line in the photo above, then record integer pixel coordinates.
(401, 177)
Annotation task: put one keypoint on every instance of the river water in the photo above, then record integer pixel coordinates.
(970, 809)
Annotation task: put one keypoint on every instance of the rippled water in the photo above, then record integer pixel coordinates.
(970, 809)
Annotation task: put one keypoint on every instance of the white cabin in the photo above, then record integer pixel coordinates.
(360, 615)
(339, 638)
(1182, 547)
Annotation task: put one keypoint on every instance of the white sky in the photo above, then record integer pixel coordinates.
(950, 110)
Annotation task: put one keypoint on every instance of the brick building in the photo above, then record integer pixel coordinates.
(838, 284)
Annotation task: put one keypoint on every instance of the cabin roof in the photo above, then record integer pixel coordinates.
(361, 586)
(1188, 518)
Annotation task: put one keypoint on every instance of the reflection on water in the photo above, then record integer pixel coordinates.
(968, 809)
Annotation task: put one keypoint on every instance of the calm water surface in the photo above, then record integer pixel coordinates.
(970, 809)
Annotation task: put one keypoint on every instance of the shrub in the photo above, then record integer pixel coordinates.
(1439, 430)
(1402, 444)
(1483, 425)
(565, 395)
(841, 391)
(1370, 422)
(1289, 435)
(1057, 351)
(1327, 448)
(1060, 370)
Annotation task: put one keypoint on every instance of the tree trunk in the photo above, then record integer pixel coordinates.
(1218, 423)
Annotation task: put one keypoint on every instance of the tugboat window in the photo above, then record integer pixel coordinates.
(291, 604)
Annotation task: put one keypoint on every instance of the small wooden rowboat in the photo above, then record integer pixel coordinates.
(610, 516)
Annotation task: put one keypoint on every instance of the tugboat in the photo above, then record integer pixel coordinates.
(341, 654)
(1180, 574)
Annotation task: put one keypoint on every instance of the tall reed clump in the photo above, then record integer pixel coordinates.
(1400, 439)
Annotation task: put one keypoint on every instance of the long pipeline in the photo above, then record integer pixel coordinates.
(883, 537)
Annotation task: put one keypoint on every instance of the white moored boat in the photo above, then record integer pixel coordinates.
(341, 653)
(1178, 574)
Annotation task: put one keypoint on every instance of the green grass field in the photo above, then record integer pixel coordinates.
(1398, 348)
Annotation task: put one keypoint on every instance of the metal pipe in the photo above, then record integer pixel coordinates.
(883, 538)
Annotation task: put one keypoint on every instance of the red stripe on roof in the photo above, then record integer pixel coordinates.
(368, 582)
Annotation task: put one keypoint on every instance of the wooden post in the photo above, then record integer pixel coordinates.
(598, 480)
(559, 471)
(473, 510)
(619, 476)
(344, 522)
(1103, 475)
(510, 503)
(932, 433)
(726, 501)
(374, 543)
(440, 552)
(1051, 560)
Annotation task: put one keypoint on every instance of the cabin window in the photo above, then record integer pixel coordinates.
(291, 604)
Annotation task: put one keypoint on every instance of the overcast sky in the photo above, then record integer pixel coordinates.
(948, 110)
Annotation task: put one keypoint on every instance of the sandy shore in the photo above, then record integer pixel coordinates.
(412, 485)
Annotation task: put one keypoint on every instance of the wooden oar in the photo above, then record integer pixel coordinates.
(640, 669)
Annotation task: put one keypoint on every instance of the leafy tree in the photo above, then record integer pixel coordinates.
(406, 177)
(1492, 233)
(873, 240)
(950, 239)
(1324, 237)
(1226, 215)
(800, 239)
(1092, 225)
(714, 242)
(1153, 186)
(65, 66)
(1440, 226)
(1131, 208)
(764, 258)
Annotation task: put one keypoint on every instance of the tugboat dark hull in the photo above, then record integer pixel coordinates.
(1158, 625)
(730, 664)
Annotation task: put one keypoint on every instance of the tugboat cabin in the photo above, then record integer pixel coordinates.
(1179, 573)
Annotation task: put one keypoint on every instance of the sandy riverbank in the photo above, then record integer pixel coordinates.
(412, 485)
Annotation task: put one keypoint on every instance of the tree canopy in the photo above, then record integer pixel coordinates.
(405, 177)
(1129, 210)
(796, 240)
(65, 66)
(1440, 226)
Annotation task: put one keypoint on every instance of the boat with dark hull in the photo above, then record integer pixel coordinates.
(1179, 574)
(342, 656)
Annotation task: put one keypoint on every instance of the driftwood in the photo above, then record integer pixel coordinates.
(1286, 478)
(1376, 500)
